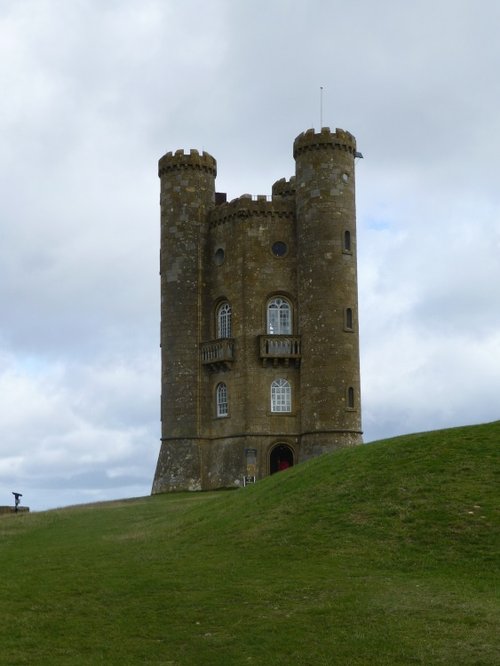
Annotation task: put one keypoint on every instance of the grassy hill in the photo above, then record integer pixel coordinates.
(382, 554)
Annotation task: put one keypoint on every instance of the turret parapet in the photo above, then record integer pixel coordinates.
(246, 206)
(192, 160)
(252, 197)
(310, 140)
(284, 187)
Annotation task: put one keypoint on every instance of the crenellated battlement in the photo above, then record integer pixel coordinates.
(284, 187)
(311, 140)
(250, 206)
(191, 160)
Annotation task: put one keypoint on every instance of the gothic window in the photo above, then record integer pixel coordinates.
(347, 241)
(279, 317)
(281, 396)
(224, 320)
(350, 397)
(221, 396)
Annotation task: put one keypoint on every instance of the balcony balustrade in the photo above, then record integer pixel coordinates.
(278, 348)
(218, 354)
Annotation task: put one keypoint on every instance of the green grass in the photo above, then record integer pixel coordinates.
(382, 554)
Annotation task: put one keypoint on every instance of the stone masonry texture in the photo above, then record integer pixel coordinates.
(294, 250)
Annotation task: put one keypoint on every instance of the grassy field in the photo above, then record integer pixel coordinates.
(382, 554)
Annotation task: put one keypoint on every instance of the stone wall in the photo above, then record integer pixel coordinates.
(11, 509)
(299, 244)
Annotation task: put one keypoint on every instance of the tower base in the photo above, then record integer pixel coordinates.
(232, 462)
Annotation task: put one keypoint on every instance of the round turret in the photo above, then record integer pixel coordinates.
(339, 140)
(187, 196)
(327, 289)
(192, 160)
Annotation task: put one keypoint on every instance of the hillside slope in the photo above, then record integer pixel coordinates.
(382, 554)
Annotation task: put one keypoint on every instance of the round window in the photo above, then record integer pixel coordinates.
(219, 256)
(279, 249)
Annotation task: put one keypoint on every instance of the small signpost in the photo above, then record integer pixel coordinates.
(251, 457)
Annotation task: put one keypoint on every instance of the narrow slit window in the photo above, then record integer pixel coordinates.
(350, 397)
(348, 319)
(347, 241)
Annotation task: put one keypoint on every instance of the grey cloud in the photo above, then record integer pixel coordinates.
(95, 93)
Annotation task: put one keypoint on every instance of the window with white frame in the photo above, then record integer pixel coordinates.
(279, 317)
(281, 396)
(224, 320)
(221, 397)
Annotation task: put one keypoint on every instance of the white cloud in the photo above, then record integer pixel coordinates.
(63, 426)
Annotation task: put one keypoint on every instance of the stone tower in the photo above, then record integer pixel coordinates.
(259, 318)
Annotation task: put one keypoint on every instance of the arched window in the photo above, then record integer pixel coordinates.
(350, 397)
(347, 241)
(224, 320)
(281, 396)
(221, 397)
(279, 317)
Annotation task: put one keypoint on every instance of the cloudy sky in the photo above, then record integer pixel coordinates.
(95, 91)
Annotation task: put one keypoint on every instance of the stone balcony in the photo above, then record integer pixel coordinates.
(218, 354)
(280, 348)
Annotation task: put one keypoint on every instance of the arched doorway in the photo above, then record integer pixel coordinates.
(280, 458)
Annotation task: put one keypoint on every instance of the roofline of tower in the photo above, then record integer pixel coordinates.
(246, 206)
(191, 160)
(311, 140)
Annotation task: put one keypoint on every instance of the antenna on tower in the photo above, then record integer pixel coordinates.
(320, 108)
